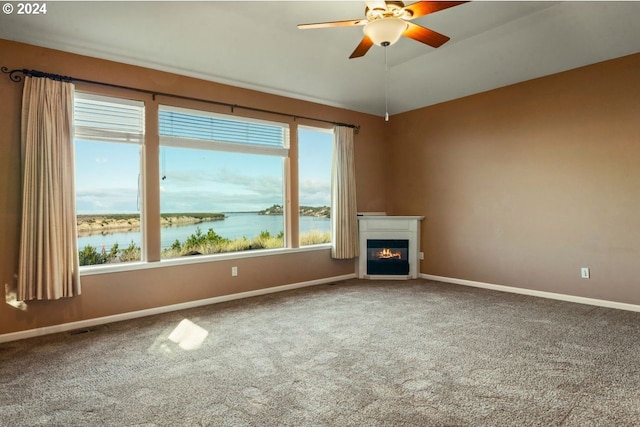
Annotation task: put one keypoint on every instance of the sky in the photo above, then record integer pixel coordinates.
(107, 176)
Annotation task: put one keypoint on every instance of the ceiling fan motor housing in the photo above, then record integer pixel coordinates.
(387, 9)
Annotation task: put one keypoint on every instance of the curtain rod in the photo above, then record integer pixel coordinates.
(15, 77)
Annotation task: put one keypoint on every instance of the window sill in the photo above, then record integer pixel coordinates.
(196, 259)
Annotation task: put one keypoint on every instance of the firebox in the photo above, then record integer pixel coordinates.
(387, 257)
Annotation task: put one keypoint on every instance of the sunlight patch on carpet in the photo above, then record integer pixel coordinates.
(188, 335)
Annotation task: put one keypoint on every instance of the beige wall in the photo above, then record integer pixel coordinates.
(523, 185)
(122, 292)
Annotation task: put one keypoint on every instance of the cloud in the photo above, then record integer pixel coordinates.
(315, 193)
(250, 183)
(223, 178)
(314, 186)
(188, 178)
(102, 201)
(215, 201)
(221, 190)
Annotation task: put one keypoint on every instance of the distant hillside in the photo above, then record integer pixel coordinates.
(318, 211)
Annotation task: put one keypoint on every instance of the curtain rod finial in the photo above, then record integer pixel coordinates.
(13, 74)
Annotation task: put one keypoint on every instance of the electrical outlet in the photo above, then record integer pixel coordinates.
(234, 271)
(584, 272)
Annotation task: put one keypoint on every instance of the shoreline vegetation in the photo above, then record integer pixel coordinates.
(199, 243)
(110, 223)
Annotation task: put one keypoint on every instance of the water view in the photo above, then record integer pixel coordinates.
(234, 226)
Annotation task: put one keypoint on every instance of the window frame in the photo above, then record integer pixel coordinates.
(150, 186)
(241, 148)
(319, 129)
(111, 135)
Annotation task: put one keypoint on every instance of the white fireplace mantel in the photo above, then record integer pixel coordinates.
(390, 227)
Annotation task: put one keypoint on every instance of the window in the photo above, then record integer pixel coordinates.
(109, 133)
(222, 182)
(315, 150)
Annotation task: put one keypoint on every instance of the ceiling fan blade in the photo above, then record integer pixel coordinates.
(425, 35)
(333, 24)
(363, 47)
(422, 8)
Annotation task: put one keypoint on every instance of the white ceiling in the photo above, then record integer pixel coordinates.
(257, 45)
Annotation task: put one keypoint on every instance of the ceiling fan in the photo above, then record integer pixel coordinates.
(386, 21)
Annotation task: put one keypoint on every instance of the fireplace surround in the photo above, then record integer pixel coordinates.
(389, 246)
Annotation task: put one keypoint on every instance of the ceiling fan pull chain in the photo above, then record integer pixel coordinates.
(386, 86)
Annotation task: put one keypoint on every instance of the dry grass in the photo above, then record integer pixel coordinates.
(244, 244)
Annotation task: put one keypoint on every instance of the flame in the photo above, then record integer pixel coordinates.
(387, 254)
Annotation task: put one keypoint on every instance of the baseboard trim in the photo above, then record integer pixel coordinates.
(31, 333)
(531, 292)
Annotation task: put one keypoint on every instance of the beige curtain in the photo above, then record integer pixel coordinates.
(48, 266)
(343, 196)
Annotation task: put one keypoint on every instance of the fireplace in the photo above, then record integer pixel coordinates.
(388, 256)
(389, 246)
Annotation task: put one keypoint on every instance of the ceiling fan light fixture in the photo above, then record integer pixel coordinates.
(385, 31)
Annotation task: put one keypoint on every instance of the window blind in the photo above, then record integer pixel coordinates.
(103, 118)
(200, 125)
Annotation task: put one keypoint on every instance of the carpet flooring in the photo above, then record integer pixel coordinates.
(354, 353)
